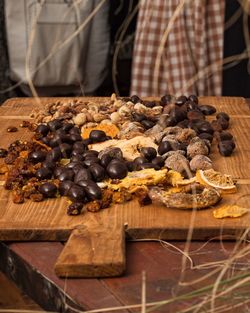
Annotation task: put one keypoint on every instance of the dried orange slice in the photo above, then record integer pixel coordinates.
(211, 178)
(230, 211)
(176, 179)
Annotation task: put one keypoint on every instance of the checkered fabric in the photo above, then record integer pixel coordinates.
(193, 46)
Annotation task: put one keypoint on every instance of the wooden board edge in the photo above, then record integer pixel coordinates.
(35, 234)
(198, 234)
(84, 254)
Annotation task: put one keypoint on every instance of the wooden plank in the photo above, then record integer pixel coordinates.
(30, 265)
(161, 263)
(12, 298)
(48, 220)
(93, 252)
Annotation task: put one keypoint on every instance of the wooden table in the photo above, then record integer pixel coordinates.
(30, 266)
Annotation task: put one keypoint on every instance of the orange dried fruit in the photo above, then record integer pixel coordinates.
(110, 130)
(230, 211)
(211, 178)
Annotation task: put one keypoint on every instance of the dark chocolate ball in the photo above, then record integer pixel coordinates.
(148, 152)
(117, 170)
(48, 190)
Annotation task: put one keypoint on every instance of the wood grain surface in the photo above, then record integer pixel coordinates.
(48, 220)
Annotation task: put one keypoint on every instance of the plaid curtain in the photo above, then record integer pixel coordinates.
(193, 48)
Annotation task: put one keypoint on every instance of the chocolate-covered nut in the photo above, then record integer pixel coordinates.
(105, 160)
(65, 186)
(148, 152)
(177, 114)
(3, 153)
(164, 147)
(181, 100)
(65, 149)
(114, 152)
(135, 99)
(183, 124)
(206, 136)
(143, 166)
(131, 166)
(191, 105)
(223, 135)
(224, 123)
(48, 190)
(79, 145)
(53, 142)
(158, 161)
(54, 155)
(195, 115)
(223, 115)
(216, 126)
(77, 158)
(58, 139)
(37, 156)
(170, 121)
(147, 124)
(74, 164)
(91, 160)
(149, 104)
(76, 152)
(165, 100)
(117, 170)
(43, 173)
(98, 172)
(58, 171)
(86, 141)
(137, 117)
(97, 135)
(45, 140)
(77, 168)
(193, 98)
(76, 193)
(205, 127)
(75, 208)
(140, 160)
(43, 129)
(54, 125)
(75, 130)
(67, 174)
(75, 137)
(60, 132)
(207, 109)
(88, 153)
(67, 126)
(225, 149)
(92, 190)
(83, 174)
(230, 143)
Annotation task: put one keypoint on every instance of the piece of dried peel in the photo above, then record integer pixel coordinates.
(230, 211)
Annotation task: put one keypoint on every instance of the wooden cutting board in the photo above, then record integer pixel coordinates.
(95, 244)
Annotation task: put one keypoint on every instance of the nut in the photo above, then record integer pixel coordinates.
(118, 103)
(124, 111)
(80, 119)
(115, 117)
(200, 162)
(197, 146)
(113, 97)
(98, 117)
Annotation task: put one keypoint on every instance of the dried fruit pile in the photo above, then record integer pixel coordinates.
(84, 151)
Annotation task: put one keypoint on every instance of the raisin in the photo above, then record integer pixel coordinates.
(12, 129)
